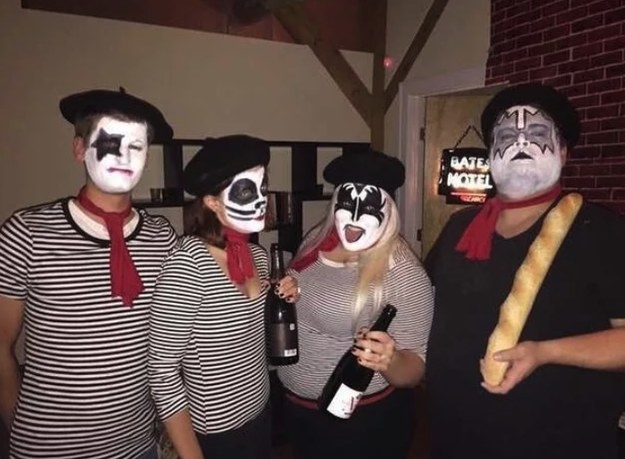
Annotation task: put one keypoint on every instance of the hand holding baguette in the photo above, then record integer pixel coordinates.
(527, 282)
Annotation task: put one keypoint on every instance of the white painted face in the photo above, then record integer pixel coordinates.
(116, 154)
(526, 156)
(361, 214)
(245, 201)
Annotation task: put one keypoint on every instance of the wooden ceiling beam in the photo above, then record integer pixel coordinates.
(418, 42)
(294, 19)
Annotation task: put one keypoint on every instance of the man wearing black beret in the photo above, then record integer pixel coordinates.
(77, 275)
(207, 364)
(527, 345)
(349, 267)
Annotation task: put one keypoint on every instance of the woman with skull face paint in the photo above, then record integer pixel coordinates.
(349, 267)
(207, 363)
(562, 393)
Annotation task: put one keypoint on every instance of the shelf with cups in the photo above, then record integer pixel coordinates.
(288, 212)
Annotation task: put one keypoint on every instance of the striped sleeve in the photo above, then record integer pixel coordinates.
(175, 303)
(413, 297)
(15, 258)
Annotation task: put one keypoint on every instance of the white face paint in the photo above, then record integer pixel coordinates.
(361, 214)
(245, 201)
(526, 156)
(116, 154)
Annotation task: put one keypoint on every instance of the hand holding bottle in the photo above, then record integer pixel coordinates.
(374, 349)
(287, 289)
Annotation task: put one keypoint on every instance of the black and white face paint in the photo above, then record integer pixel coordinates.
(116, 154)
(526, 156)
(361, 214)
(245, 201)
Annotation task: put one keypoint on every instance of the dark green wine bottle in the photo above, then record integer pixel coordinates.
(282, 339)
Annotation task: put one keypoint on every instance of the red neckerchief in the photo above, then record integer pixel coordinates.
(238, 255)
(477, 237)
(125, 280)
(329, 243)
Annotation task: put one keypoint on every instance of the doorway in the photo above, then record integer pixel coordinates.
(432, 111)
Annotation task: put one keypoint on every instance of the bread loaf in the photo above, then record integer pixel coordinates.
(527, 281)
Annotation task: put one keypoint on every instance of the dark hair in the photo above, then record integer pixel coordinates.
(202, 222)
(84, 125)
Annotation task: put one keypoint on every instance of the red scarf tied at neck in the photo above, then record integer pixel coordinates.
(125, 280)
(477, 237)
(238, 255)
(328, 243)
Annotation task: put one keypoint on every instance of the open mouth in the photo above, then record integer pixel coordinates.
(521, 155)
(353, 233)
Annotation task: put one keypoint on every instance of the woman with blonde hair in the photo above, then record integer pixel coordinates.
(349, 266)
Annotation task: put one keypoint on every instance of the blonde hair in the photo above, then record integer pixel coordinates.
(373, 263)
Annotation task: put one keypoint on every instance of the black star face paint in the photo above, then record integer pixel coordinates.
(245, 201)
(526, 157)
(361, 215)
(116, 155)
(107, 144)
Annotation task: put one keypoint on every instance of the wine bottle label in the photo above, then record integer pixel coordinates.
(283, 340)
(344, 402)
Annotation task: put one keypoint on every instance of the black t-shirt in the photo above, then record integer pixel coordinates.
(558, 411)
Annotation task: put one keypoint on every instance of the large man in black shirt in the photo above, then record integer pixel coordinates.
(563, 391)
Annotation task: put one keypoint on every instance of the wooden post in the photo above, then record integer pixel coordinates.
(371, 106)
(419, 41)
(294, 19)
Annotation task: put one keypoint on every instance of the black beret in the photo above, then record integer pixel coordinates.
(369, 167)
(556, 104)
(104, 101)
(222, 158)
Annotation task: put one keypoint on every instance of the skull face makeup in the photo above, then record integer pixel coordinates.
(245, 201)
(526, 156)
(361, 214)
(116, 154)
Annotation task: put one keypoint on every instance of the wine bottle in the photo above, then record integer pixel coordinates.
(349, 380)
(282, 345)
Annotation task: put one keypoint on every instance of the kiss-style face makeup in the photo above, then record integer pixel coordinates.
(116, 154)
(526, 157)
(245, 201)
(360, 214)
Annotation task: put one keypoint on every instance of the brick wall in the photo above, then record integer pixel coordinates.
(577, 46)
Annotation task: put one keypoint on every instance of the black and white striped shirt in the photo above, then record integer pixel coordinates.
(207, 341)
(84, 393)
(326, 328)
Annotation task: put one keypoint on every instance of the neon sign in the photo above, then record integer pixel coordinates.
(464, 176)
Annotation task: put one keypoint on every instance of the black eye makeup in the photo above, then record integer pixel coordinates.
(107, 144)
(243, 191)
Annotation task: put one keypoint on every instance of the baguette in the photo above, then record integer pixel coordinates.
(527, 282)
